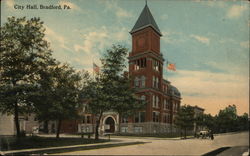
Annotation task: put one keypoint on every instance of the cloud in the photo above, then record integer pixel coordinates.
(236, 11)
(97, 39)
(164, 17)
(52, 36)
(119, 12)
(201, 39)
(173, 37)
(212, 90)
(71, 5)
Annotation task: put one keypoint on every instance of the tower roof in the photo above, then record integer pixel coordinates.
(145, 20)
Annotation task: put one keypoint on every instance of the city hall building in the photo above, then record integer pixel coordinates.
(146, 64)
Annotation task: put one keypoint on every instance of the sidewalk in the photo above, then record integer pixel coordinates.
(50, 150)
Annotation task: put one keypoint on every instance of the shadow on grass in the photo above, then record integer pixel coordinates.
(57, 151)
(217, 151)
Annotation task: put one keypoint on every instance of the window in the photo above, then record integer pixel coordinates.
(140, 63)
(88, 119)
(156, 116)
(143, 81)
(155, 82)
(155, 101)
(140, 117)
(124, 120)
(143, 97)
(156, 65)
(124, 129)
(165, 118)
(138, 129)
(137, 82)
(165, 104)
(175, 106)
(169, 118)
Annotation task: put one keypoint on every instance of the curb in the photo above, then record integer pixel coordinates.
(52, 150)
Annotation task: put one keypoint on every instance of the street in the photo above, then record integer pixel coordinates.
(161, 146)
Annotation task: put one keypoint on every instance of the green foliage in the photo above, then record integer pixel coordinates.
(226, 120)
(185, 118)
(23, 55)
(110, 89)
(58, 95)
(205, 121)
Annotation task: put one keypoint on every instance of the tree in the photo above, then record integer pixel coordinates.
(185, 118)
(226, 119)
(205, 121)
(23, 54)
(110, 89)
(58, 96)
(243, 122)
(127, 103)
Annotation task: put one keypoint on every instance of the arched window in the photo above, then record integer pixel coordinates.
(143, 81)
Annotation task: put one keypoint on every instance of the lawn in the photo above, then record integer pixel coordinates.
(11, 143)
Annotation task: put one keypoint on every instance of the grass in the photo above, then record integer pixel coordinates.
(12, 143)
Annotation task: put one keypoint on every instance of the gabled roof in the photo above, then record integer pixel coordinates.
(145, 20)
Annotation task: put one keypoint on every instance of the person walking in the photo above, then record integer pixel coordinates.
(212, 135)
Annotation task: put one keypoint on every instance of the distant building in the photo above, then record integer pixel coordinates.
(197, 111)
(7, 126)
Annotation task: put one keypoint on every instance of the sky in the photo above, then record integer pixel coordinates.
(207, 40)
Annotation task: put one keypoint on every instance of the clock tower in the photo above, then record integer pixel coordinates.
(146, 62)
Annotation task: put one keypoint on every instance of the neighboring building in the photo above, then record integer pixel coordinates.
(197, 111)
(7, 126)
(27, 123)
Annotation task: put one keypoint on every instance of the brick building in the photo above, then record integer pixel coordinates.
(146, 65)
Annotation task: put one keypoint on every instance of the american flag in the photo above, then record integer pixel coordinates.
(171, 66)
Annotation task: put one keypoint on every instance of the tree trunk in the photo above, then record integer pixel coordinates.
(119, 123)
(97, 127)
(16, 118)
(185, 133)
(46, 129)
(96, 130)
(58, 128)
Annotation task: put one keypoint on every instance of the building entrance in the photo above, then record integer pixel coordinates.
(109, 125)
